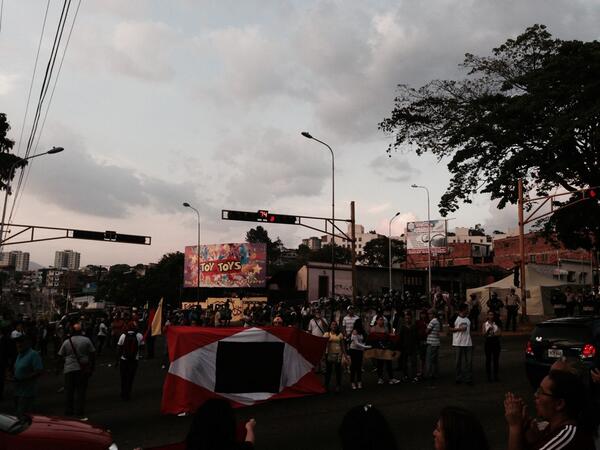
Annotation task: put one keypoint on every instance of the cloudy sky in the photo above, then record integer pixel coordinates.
(203, 101)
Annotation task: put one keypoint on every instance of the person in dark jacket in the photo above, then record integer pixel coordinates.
(409, 348)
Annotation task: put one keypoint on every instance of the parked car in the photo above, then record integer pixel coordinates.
(567, 337)
(51, 433)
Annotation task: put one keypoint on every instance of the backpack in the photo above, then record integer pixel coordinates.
(130, 346)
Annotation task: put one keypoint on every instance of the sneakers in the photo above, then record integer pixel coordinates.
(359, 385)
(353, 386)
(380, 381)
(394, 381)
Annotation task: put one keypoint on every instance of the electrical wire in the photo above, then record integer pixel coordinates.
(37, 55)
(17, 198)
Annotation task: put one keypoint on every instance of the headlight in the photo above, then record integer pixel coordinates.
(113, 446)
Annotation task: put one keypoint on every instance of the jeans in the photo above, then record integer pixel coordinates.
(388, 367)
(464, 364)
(329, 366)
(127, 369)
(356, 359)
(492, 357)
(405, 359)
(432, 358)
(76, 384)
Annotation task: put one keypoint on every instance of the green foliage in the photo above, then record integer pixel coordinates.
(531, 110)
(376, 252)
(8, 161)
(260, 235)
(342, 255)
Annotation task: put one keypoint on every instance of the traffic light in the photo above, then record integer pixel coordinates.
(517, 276)
(591, 193)
(239, 215)
(282, 218)
(110, 236)
(260, 216)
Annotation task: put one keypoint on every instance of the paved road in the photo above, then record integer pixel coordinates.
(305, 423)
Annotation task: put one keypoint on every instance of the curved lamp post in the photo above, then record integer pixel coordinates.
(307, 135)
(187, 205)
(390, 247)
(52, 151)
(428, 239)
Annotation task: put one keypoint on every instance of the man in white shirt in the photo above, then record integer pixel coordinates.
(348, 322)
(317, 325)
(463, 346)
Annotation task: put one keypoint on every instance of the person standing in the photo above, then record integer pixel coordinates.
(317, 326)
(433, 346)
(80, 358)
(334, 352)
(101, 336)
(512, 303)
(463, 346)
(380, 337)
(28, 367)
(348, 323)
(128, 354)
(474, 311)
(491, 332)
(409, 342)
(356, 352)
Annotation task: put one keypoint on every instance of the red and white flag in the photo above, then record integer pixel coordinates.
(243, 365)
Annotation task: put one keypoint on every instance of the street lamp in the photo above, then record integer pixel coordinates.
(390, 247)
(428, 239)
(307, 135)
(52, 151)
(187, 205)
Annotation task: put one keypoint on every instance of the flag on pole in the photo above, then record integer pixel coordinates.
(157, 320)
(243, 365)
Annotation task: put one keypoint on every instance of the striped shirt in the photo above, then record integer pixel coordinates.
(568, 437)
(433, 338)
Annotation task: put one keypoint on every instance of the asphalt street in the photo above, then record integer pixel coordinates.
(305, 423)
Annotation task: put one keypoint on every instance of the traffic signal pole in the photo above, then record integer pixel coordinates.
(353, 246)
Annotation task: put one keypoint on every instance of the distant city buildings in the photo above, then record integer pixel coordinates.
(67, 259)
(313, 243)
(362, 238)
(18, 260)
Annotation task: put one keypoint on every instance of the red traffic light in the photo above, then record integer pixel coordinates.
(592, 193)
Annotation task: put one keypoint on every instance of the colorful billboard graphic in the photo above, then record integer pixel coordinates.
(417, 235)
(226, 265)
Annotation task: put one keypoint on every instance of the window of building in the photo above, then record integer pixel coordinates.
(532, 258)
(571, 277)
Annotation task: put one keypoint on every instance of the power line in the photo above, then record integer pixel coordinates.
(43, 91)
(17, 198)
(37, 55)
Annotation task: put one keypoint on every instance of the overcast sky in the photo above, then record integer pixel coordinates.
(203, 101)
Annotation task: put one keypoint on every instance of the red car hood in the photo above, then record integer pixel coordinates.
(67, 431)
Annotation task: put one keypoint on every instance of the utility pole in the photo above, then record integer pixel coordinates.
(353, 246)
(523, 280)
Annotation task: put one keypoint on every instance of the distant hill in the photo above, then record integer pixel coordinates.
(35, 266)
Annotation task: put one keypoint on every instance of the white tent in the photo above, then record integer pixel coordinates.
(539, 287)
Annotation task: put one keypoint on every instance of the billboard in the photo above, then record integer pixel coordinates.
(226, 265)
(417, 234)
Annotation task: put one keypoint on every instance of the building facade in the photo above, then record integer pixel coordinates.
(67, 259)
(16, 259)
(362, 238)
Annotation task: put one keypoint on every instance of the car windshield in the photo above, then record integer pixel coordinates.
(12, 424)
(563, 333)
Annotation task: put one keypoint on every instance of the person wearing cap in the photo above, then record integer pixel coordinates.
(80, 357)
(28, 367)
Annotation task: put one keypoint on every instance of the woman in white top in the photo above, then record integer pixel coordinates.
(491, 332)
(357, 347)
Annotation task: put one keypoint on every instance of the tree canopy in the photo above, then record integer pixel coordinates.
(376, 252)
(8, 161)
(260, 235)
(531, 110)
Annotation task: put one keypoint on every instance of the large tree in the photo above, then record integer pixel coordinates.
(8, 161)
(376, 252)
(260, 235)
(531, 110)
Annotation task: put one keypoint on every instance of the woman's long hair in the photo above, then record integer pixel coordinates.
(365, 428)
(213, 427)
(462, 430)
